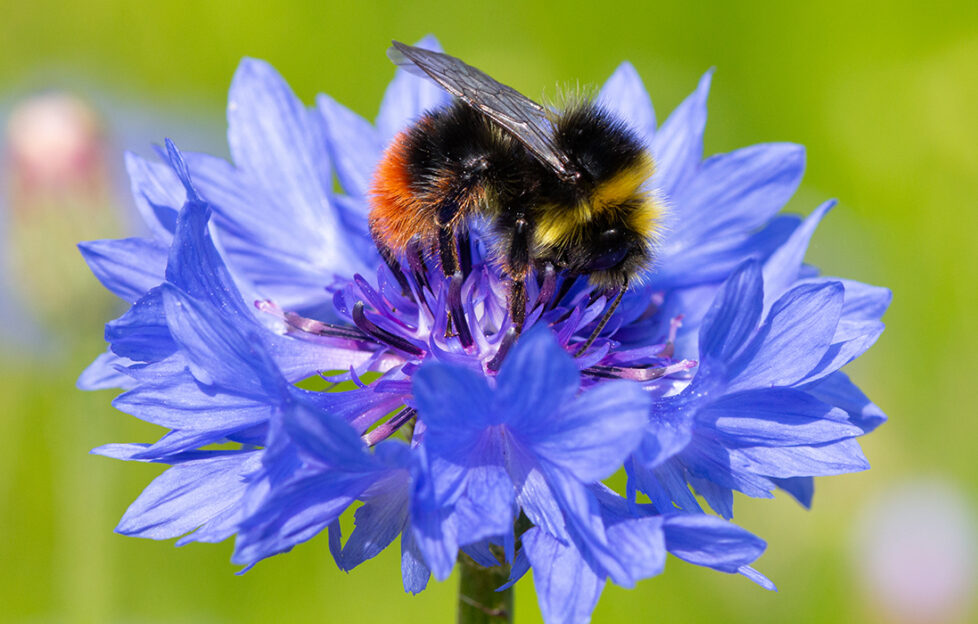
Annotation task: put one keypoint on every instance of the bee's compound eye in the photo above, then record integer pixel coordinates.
(610, 248)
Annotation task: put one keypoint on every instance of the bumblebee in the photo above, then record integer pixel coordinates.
(566, 189)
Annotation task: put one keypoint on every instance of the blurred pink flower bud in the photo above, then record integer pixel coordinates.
(915, 550)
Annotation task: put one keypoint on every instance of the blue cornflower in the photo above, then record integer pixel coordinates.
(719, 373)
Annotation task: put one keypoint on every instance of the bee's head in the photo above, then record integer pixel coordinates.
(613, 249)
(605, 223)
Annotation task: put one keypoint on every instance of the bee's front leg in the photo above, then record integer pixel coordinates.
(518, 265)
(448, 212)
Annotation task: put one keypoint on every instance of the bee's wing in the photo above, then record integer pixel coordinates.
(526, 120)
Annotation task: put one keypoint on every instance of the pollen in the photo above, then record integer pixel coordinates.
(564, 225)
(623, 185)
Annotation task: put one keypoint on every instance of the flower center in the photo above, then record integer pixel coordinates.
(416, 313)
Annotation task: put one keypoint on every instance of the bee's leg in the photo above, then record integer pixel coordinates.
(465, 251)
(391, 261)
(519, 265)
(517, 303)
(604, 321)
(449, 256)
(447, 248)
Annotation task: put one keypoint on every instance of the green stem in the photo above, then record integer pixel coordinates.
(478, 600)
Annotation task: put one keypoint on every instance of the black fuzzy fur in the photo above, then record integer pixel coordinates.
(458, 156)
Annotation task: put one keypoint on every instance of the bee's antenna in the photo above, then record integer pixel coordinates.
(604, 321)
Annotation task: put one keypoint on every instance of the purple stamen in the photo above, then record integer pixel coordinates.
(670, 347)
(415, 258)
(374, 299)
(604, 321)
(387, 429)
(509, 338)
(639, 373)
(310, 326)
(565, 287)
(382, 335)
(395, 267)
(455, 307)
(548, 287)
(356, 379)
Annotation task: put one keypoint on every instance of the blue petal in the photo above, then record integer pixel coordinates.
(188, 495)
(329, 440)
(293, 513)
(219, 350)
(678, 145)
(354, 146)
(757, 577)
(736, 193)
(733, 317)
(669, 430)
(158, 194)
(665, 485)
(196, 267)
(536, 378)
(776, 417)
(414, 571)
(534, 496)
(625, 95)
(452, 401)
(435, 534)
(128, 267)
(281, 251)
(783, 268)
(582, 513)
(635, 530)
(282, 149)
(175, 157)
(481, 553)
(567, 588)
(361, 407)
(353, 211)
(641, 545)
(718, 497)
(712, 261)
(141, 334)
(864, 302)
(433, 530)
(178, 443)
(272, 138)
(836, 389)
(182, 402)
(106, 372)
(521, 565)
(851, 339)
(408, 97)
(299, 505)
(792, 340)
(487, 508)
(801, 488)
(124, 452)
(707, 459)
(592, 436)
(379, 520)
(708, 541)
(803, 461)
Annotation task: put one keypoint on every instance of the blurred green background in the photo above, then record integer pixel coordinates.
(884, 96)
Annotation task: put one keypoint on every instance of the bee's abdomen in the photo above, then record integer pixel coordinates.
(435, 175)
(397, 213)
